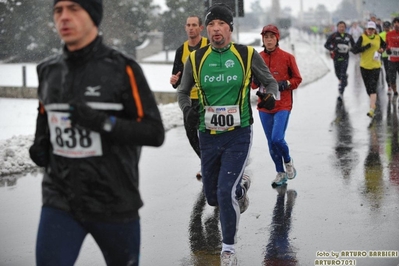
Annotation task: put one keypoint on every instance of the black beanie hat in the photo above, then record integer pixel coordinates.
(93, 7)
(219, 11)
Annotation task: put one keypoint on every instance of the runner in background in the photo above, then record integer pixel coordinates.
(195, 41)
(373, 18)
(370, 46)
(384, 56)
(339, 44)
(284, 69)
(356, 31)
(393, 52)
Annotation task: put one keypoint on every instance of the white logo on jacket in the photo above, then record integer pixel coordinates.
(229, 63)
(93, 91)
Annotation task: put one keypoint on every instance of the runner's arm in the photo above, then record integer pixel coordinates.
(263, 75)
(178, 65)
(141, 123)
(187, 83)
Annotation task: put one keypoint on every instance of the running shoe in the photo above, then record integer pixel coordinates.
(371, 113)
(228, 259)
(281, 179)
(243, 202)
(290, 169)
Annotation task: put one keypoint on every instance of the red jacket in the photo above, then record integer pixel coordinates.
(283, 66)
(393, 44)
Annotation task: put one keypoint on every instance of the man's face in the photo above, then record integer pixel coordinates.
(269, 40)
(73, 24)
(396, 25)
(341, 28)
(219, 33)
(193, 29)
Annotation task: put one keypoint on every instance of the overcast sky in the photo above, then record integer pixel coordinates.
(294, 4)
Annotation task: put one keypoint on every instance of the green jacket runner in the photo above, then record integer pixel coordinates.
(223, 77)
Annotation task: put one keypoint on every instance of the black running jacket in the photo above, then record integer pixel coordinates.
(94, 175)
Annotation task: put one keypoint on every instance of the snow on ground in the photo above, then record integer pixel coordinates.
(18, 126)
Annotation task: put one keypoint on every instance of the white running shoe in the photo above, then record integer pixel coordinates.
(290, 169)
(280, 179)
(228, 259)
(243, 202)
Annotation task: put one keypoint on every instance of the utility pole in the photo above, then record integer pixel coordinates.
(238, 26)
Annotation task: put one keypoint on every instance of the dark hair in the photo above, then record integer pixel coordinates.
(341, 22)
(395, 20)
(386, 24)
(199, 19)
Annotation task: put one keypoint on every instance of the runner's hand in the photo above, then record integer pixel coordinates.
(282, 85)
(367, 46)
(84, 116)
(191, 116)
(267, 100)
(39, 151)
(175, 78)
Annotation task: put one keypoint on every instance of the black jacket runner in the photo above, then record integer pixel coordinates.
(94, 175)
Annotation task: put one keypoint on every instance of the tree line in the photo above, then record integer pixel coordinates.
(28, 34)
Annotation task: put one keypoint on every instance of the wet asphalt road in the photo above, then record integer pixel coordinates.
(345, 197)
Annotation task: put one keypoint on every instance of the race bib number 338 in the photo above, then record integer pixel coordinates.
(72, 142)
(221, 118)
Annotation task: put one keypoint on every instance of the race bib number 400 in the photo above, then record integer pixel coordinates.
(72, 142)
(221, 118)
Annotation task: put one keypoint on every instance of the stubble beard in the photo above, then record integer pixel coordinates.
(219, 43)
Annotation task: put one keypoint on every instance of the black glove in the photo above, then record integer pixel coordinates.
(282, 85)
(389, 51)
(267, 100)
(367, 46)
(191, 116)
(39, 151)
(86, 117)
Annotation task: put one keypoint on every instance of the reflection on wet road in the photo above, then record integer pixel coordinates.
(373, 169)
(345, 156)
(393, 142)
(204, 234)
(279, 250)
